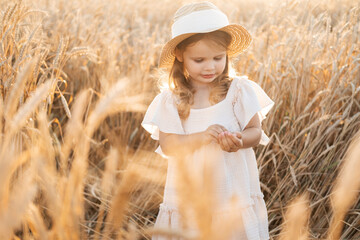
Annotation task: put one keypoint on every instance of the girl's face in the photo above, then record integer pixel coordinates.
(204, 61)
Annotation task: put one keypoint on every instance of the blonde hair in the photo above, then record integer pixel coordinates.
(179, 83)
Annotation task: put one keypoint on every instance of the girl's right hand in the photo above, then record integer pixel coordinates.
(231, 142)
(212, 133)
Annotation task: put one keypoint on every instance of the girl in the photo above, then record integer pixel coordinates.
(205, 106)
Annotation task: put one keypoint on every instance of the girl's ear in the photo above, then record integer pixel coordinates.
(178, 55)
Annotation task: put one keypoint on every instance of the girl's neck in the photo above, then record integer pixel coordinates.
(201, 86)
(201, 97)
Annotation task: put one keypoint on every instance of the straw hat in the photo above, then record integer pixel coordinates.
(202, 17)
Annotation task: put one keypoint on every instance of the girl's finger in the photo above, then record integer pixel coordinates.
(223, 143)
(226, 142)
(214, 133)
(220, 129)
(236, 141)
(238, 135)
(223, 129)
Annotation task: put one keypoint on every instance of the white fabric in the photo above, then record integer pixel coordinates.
(237, 173)
(199, 22)
(162, 115)
(252, 100)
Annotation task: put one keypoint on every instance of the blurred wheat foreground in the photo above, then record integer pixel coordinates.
(76, 79)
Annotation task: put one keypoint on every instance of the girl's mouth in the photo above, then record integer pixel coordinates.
(208, 75)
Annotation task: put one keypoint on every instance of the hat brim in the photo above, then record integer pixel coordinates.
(240, 40)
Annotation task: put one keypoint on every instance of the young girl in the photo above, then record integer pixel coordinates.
(205, 106)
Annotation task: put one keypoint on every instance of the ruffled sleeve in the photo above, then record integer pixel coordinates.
(250, 99)
(162, 115)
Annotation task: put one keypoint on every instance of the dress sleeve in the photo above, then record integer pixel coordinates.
(162, 115)
(250, 99)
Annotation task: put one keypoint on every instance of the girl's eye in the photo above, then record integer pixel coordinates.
(218, 58)
(198, 60)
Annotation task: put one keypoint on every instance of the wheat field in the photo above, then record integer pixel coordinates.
(76, 79)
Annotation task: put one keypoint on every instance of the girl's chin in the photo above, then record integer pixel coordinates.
(203, 81)
(202, 78)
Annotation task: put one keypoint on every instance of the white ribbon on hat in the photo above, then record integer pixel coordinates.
(199, 22)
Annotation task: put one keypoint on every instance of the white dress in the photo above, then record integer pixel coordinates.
(239, 171)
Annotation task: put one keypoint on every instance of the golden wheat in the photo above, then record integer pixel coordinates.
(75, 78)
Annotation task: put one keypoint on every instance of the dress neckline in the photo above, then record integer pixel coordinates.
(217, 104)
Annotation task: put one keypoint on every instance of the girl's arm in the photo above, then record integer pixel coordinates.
(249, 137)
(181, 145)
(252, 133)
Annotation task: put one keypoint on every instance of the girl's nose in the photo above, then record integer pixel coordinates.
(210, 65)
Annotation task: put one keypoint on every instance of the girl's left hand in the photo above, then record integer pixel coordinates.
(230, 142)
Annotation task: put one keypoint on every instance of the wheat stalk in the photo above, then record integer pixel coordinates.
(346, 188)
